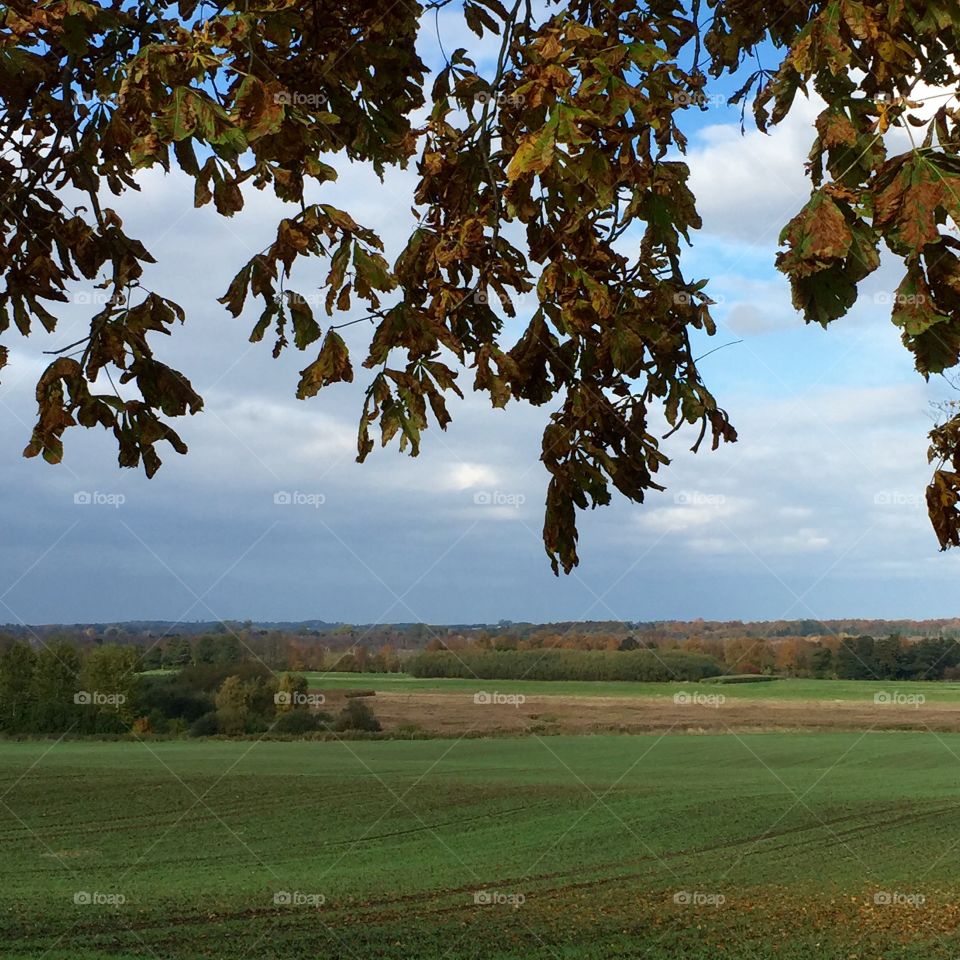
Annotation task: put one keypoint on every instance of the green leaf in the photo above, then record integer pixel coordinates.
(306, 330)
(536, 151)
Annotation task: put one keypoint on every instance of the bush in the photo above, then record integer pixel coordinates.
(296, 722)
(171, 697)
(356, 715)
(206, 726)
(178, 727)
(638, 665)
(741, 678)
(350, 694)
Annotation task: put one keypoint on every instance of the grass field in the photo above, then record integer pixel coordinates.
(589, 847)
(935, 691)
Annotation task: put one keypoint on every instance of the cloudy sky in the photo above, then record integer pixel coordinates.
(816, 512)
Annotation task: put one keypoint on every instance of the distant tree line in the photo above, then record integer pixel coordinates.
(642, 665)
(890, 658)
(346, 648)
(844, 658)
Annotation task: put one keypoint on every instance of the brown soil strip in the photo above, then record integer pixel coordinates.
(457, 714)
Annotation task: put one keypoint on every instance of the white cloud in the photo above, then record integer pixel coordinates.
(749, 185)
(466, 476)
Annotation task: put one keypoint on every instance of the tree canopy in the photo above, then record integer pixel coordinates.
(529, 174)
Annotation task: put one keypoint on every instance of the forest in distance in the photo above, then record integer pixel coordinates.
(230, 684)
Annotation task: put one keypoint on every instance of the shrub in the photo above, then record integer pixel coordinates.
(178, 727)
(171, 697)
(296, 722)
(356, 715)
(206, 726)
(741, 678)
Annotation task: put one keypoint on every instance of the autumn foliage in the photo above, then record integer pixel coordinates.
(530, 175)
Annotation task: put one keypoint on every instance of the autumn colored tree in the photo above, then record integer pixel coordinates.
(794, 656)
(233, 705)
(531, 176)
(290, 687)
(389, 658)
(748, 655)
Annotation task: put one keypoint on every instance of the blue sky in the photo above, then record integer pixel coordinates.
(816, 512)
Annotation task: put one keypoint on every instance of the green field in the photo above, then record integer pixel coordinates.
(783, 842)
(935, 691)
